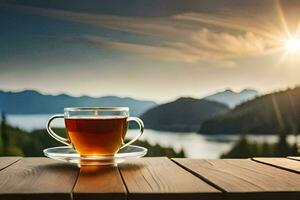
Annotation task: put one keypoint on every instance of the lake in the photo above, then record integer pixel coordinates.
(194, 145)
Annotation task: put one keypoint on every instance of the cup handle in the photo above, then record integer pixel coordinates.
(141, 131)
(54, 135)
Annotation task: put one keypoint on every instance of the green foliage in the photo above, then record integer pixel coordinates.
(246, 149)
(13, 151)
(269, 114)
(22, 143)
(157, 150)
(4, 136)
(1, 146)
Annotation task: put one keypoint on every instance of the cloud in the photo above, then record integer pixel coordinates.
(158, 52)
(227, 44)
(241, 22)
(185, 37)
(203, 45)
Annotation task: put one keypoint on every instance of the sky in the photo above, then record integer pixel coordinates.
(149, 49)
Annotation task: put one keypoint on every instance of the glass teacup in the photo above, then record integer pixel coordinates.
(96, 131)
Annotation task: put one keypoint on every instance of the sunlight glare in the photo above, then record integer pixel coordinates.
(292, 45)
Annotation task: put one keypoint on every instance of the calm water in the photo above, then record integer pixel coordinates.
(194, 145)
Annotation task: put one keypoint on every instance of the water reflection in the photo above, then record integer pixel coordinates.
(194, 145)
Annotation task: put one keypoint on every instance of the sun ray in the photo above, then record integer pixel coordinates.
(226, 22)
(298, 30)
(282, 18)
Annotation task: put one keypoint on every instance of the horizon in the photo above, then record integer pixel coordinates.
(156, 101)
(143, 99)
(143, 51)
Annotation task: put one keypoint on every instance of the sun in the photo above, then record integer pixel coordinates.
(292, 45)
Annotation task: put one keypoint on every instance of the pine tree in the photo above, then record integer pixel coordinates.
(282, 147)
(1, 142)
(4, 134)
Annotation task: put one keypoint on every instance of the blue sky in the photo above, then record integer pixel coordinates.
(147, 49)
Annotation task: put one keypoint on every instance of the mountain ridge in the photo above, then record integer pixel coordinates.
(34, 102)
(182, 115)
(277, 112)
(232, 98)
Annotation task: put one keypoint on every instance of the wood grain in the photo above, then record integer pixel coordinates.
(160, 178)
(246, 179)
(283, 163)
(99, 182)
(6, 161)
(37, 178)
(294, 158)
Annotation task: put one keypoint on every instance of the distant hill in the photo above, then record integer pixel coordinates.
(232, 98)
(269, 114)
(33, 102)
(184, 114)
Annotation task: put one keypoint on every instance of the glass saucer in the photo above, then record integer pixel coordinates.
(69, 154)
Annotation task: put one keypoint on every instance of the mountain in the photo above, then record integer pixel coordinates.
(273, 113)
(183, 114)
(33, 102)
(232, 98)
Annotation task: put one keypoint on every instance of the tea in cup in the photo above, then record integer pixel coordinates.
(96, 131)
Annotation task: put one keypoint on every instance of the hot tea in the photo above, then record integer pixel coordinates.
(96, 131)
(99, 136)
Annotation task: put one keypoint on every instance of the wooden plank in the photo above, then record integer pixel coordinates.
(160, 178)
(294, 158)
(37, 178)
(283, 163)
(99, 182)
(246, 179)
(6, 161)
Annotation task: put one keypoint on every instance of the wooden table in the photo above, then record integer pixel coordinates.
(151, 178)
